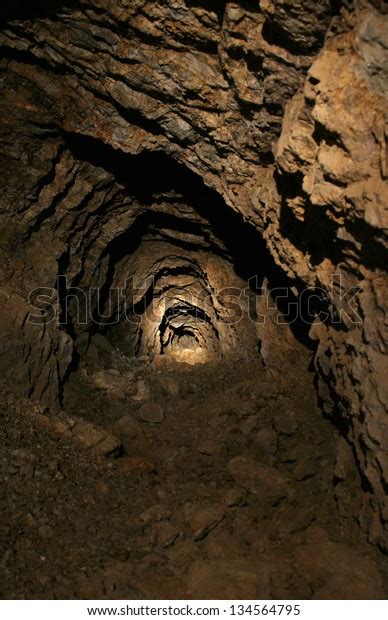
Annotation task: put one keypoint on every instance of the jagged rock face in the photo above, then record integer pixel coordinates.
(122, 122)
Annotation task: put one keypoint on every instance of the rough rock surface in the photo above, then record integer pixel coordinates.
(122, 122)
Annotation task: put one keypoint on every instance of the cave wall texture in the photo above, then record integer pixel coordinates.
(274, 108)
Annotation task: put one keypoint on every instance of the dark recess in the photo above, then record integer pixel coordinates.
(19, 9)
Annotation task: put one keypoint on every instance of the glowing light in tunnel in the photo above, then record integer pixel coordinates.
(199, 355)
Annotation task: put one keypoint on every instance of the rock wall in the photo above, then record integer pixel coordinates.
(276, 108)
(332, 153)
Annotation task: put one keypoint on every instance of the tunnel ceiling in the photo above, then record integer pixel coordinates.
(199, 144)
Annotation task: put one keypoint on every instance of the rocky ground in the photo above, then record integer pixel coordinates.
(176, 481)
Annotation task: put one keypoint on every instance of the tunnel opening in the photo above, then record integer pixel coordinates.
(170, 210)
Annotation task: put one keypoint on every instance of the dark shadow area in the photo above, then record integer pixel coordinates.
(215, 6)
(304, 234)
(21, 10)
(296, 31)
(273, 34)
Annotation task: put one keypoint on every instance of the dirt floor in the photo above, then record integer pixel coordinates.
(174, 481)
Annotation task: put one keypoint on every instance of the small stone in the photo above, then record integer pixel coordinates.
(158, 512)
(235, 14)
(307, 468)
(234, 497)
(102, 488)
(183, 553)
(42, 420)
(266, 441)
(248, 425)
(142, 392)
(105, 379)
(222, 544)
(285, 425)
(165, 534)
(88, 499)
(200, 522)
(142, 359)
(45, 531)
(208, 447)
(169, 386)
(115, 394)
(127, 426)
(302, 520)
(136, 465)
(128, 376)
(30, 521)
(151, 412)
(259, 479)
(109, 446)
(122, 554)
(87, 435)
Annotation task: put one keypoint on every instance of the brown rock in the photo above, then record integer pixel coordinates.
(106, 379)
(142, 393)
(306, 468)
(115, 394)
(89, 436)
(234, 497)
(127, 426)
(158, 512)
(285, 425)
(169, 386)
(208, 447)
(151, 412)
(165, 534)
(102, 488)
(259, 479)
(136, 465)
(266, 442)
(200, 522)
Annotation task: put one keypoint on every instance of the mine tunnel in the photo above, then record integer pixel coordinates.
(184, 278)
(192, 300)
